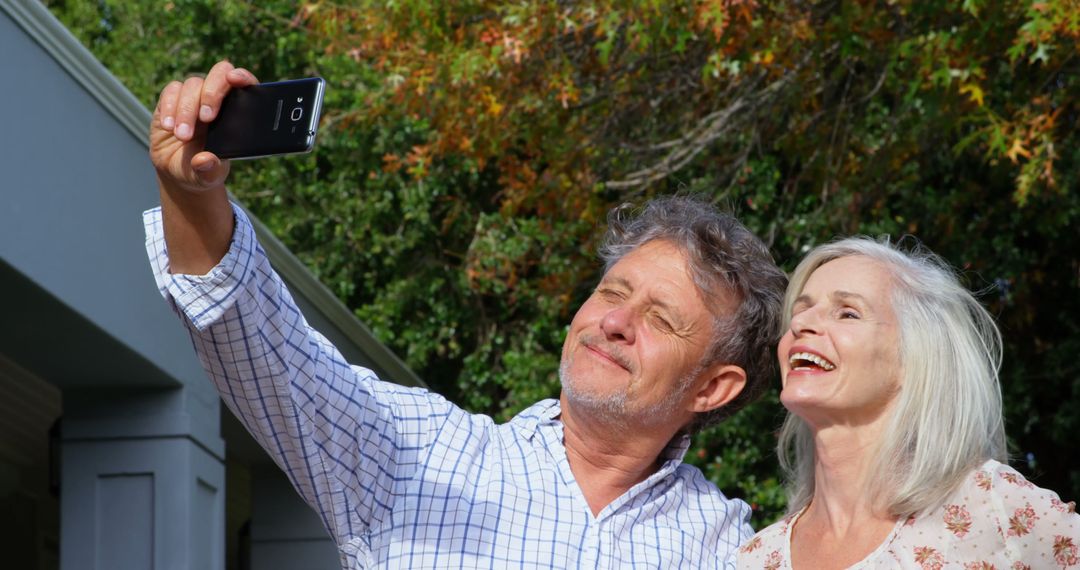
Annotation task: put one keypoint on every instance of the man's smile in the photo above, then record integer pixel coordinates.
(607, 354)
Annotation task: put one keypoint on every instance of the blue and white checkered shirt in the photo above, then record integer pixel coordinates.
(401, 477)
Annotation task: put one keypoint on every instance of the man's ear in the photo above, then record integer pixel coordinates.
(720, 384)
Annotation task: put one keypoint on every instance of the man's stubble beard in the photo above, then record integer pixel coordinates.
(613, 408)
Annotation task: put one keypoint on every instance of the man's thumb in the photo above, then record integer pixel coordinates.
(210, 169)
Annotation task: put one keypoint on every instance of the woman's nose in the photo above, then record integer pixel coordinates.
(618, 325)
(805, 322)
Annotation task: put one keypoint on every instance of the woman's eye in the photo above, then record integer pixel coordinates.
(848, 314)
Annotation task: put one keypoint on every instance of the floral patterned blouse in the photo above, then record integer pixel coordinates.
(995, 519)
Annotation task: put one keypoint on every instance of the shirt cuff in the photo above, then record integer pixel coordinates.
(202, 299)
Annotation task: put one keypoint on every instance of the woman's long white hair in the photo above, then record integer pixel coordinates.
(947, 419)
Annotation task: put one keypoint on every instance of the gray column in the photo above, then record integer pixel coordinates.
(140, 488)
(285, 533)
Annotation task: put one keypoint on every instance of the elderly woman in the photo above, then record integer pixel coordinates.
(894, 444)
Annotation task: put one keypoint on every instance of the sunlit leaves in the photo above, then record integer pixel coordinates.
(470, 149)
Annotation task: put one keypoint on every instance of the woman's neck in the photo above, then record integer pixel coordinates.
(843, 524)
(844, 467)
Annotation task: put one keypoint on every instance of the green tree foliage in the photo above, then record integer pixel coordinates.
(469, 150)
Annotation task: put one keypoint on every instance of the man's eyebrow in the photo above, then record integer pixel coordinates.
(615, 280)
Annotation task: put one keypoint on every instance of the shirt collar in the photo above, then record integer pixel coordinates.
(529, 420)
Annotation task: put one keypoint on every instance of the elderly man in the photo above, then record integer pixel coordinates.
(677, 335)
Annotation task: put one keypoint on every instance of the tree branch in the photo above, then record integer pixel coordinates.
(710, 128)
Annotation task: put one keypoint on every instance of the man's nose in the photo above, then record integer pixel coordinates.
(618, 325)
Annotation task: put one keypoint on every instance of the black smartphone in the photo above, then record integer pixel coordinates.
(267, 119)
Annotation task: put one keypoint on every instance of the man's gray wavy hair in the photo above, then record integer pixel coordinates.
(731, 267)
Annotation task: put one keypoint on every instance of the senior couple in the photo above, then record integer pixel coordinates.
(893, 445)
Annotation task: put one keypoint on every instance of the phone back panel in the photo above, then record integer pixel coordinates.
(267, 119)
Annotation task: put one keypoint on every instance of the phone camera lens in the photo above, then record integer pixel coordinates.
(297, 113)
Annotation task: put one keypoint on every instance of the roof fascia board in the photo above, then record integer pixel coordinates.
(33, 17)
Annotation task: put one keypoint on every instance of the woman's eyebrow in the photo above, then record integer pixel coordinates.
(849, 296)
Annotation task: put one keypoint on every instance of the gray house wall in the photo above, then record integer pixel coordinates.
(29, 501)
(140, 455)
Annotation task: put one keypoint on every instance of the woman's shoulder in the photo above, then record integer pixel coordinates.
(1030, 523)
(1010, 490)
(994, 519)
(768, 547)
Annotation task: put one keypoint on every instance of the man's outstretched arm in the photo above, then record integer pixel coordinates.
(344, 438)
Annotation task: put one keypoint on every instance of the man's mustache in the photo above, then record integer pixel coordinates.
(613, 352)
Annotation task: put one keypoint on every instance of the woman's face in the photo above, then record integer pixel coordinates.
(839, 358)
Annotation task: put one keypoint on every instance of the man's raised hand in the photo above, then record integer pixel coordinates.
(178, 129)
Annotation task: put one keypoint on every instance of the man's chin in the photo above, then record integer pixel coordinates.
(609, 408)
(599, 405)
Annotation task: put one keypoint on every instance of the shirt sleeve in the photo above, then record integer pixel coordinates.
(344, 438)
(1040, 530)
